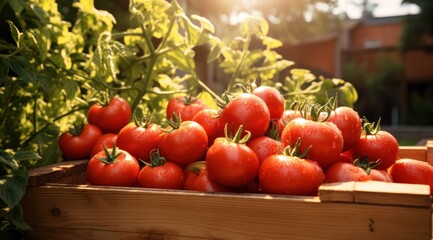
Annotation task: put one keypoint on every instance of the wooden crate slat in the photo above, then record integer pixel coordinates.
(218, 216)
(56, 172)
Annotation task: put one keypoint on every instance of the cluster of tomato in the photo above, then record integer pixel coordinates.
(252, 144)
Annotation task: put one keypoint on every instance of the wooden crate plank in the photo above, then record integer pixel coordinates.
(392, 193)
(337, 192)
(56, 172)
(429, 154)
(180, 214)
(414, 152)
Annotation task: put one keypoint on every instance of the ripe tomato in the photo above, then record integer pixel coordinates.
(111, 117)
(107, 140)
(247, 110)
(284, 174)
(209, 120)
(346, 156)
(161, 174)
(113, 167)
(380, 175)
(78, 142)
(324, 138)
(273, 99)
(289, 115)
(265, 146)
(139, 140)
(230, 162)
(345, 172)
(349, 123)
(185, 107)
(197, 179)
(185, 143)
(377, 145)
(408, 170)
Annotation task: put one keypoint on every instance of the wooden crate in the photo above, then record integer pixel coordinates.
(58, 205)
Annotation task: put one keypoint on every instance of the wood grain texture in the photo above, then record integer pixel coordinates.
(130, 213)
(63, 171)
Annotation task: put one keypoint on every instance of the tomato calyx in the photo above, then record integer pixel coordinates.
(294, 151)
(77, 129)
(226, 97)
(155, 159)
(110, 158)
(273, 131)
(370, 128)
(174, 123)
(248, 87)
(366, 164)
(196, 167)
(237, 137)
(143, 122)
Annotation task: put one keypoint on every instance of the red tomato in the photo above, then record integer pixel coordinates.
(185, 107)
(283, 174)
(161, 174)
(380, 175)
(273, 99)
(381, 146)
(346, 156)
(325, 139)
(345, 172)
(107, 140)
(265, 146)
(232, 163)
(112, 117)
(78, 143)
(197, 179)
(117, 168)
(184, 144)
(247, 110)
(407, 170)
(289, 115)
(209, 120)
(139, 140)
(349, 123)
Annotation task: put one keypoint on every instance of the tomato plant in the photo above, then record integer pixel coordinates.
(78, 142)
(229, 161)
(159, 173)
(110, 117)
(113, 167)
(184, 142)
(139, 138)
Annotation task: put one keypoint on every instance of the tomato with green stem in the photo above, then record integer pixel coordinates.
(229, 161)
(159, 173)
(184, 142)
(273, 98)
(185, 107)
(111, 116)
(268, 145)
(345, 172)
(348, 121)
(113, 167)
(197, 179)
(77, 143)
(107, 139)
(139, 138)
(209, 119)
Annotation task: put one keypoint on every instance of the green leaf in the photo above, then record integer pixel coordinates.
(254, 25)
(25, 155)
(214, 53)
(4, 69)
(17, 218)
(71, 88)
(13, 186)
(15, 32)
(204, 23)
(17, 5)
(272, 43)
(22, 67)
(7, 159)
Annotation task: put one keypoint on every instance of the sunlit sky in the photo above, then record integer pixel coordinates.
(384, 8)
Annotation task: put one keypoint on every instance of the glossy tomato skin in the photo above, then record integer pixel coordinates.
(265, 146)
(202, 182)
(289, 115)
(345, 172)
(380, 175)
(123, 172)
(381, 146)
(325, 139)
(209, 120)
(184, 145)
(231, 164)
(408, 170)
(79, 147)
(166, 176)
(349, 123)
(273, 98)
(110, 118)
(184, 107)
(248, 110)
(139, 140)
(107, 140)
(283, 174)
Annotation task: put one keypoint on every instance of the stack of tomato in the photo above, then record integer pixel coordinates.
(251, 144)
